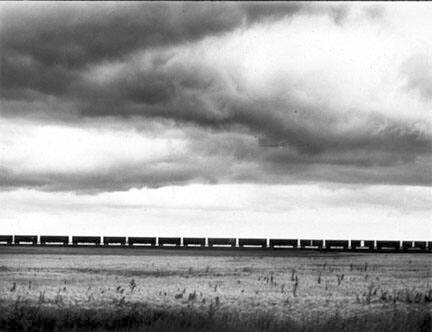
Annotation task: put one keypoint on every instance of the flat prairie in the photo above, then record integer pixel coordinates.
(76, 289)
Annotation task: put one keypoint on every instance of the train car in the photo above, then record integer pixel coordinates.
(362, 245)
(318, 243)
(356, 244)
(429, 246)
(420, 245)
(407, 245)
(262, 243)
(369, 244)
(54, 239)
(169, 241)
(121, 240)
(283, 243)
(142, 241)
(337, 244)
(388, 245)
(222, 242)
(414, 245)
(311, 244)
(26, 239)
(86, 240)
(6, 239)
(194, 241)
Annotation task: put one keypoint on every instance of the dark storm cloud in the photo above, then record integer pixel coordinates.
(199, 95)
(282, 140)
(229, 158)
(45, 44)
(73, 35)
(81, 61)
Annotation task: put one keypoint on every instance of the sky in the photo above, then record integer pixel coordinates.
(299, 120)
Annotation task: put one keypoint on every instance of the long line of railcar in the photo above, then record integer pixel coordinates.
(203, 242)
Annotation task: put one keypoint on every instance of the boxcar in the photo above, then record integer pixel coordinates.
(420, 245)
(253, 243)
(221, 242)
(169, 241)
(107, 240)
(84, 240)
(311, 244)
(414, 245)
(146, 241)
(369, 244)
(336, 244)
(407, 245)
(6, 239)
(283, 243)
(356, 244)
(20, 239)
(388, 245)
(194, 241)
(54, 239)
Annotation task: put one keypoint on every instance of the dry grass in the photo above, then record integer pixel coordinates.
(325, 292)
(139, 317)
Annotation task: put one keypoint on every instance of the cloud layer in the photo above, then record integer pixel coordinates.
(113, 96)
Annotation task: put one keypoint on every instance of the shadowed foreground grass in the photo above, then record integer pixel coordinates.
(140, 317)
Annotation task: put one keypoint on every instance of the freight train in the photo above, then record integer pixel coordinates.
(203, 242)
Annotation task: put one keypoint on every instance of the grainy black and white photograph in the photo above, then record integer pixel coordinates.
(216, 166)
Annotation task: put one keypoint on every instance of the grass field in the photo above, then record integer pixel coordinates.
(53, 289)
